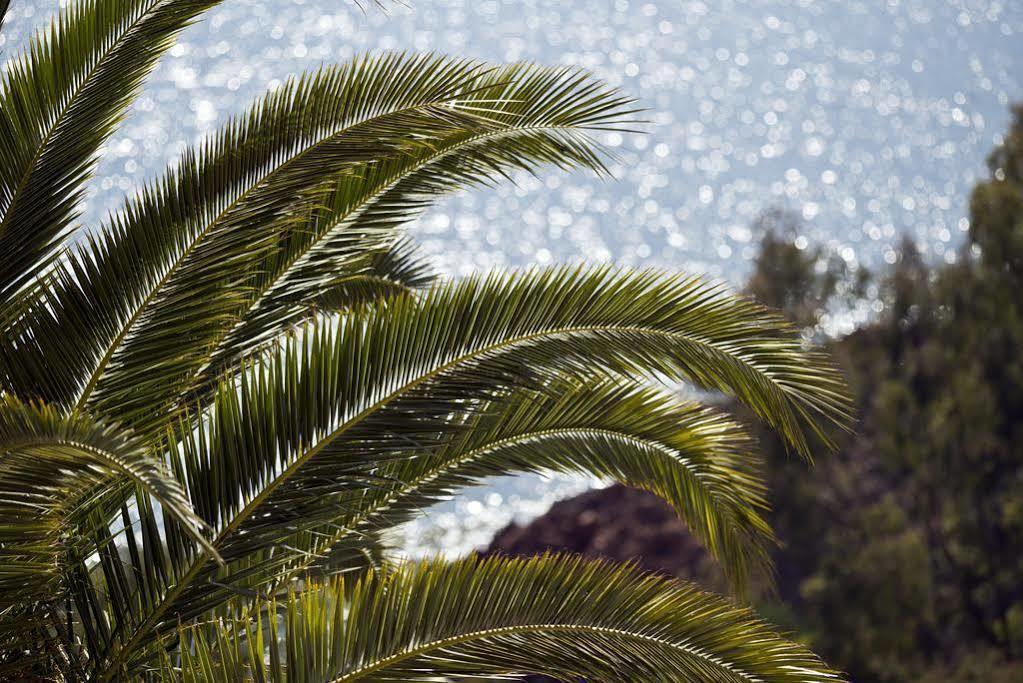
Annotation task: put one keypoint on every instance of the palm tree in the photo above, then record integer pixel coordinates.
(216, 404)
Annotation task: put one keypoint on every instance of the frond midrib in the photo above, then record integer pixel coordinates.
(441, 643)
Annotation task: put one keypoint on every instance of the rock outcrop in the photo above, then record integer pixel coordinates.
(615, 523)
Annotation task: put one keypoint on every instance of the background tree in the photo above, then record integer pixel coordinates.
(801, 281)
(898, 556)
(928, 491)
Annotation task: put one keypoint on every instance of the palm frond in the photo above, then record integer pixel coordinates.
(398, 269)
(281, 450)
(53, 468)
(368, 201)
(110, 286)
(59, 101)
(369, 278)
(224, 201)
(388, 380)
(525, 130)
(494, 619)
(698, 460)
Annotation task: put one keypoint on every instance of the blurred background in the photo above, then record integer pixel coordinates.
(856, 163)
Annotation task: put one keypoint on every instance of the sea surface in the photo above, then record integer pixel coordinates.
(869, 119)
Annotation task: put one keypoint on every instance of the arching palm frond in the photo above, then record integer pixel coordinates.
(283, 452)
(59, 101)
(51, 464)
(244, 277)
(52, 470)
(698, 460)
(387, 273)
(496, 618)
(534, 116)
(612, 428)
(189, 220)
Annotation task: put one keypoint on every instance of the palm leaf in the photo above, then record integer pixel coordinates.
(108, 289)
(53, 468)
(694, 458)
(397, 270)
(495, 619)
(337, 395)
(59, 101)
(287, 146)
(281, 450)
(697, 460)
(52, 465)
(118, 277)
(527, 130)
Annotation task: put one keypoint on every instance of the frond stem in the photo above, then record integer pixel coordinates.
(453, 641)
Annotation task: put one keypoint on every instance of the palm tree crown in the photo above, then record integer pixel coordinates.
(215, 405)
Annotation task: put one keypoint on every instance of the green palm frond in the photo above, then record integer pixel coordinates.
(53, 468)
(188, 221)
(51, 464)
(697, 460)
(496, 618)
(482, 123)
(526, 130)
(225, 397)
(59, 101)
(334, 395)
(283, 451)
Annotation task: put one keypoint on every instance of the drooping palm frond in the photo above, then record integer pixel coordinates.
(59, 101)
(387, 273)
(53, 468)
(522, 131)
(470, 126)
(493, 619)
(50, 466)
(699, 461)
(281, 453)
(131, 262)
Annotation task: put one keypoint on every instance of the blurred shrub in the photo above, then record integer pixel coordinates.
(903, 554)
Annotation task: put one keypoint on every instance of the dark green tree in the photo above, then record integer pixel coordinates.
(902, 556)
